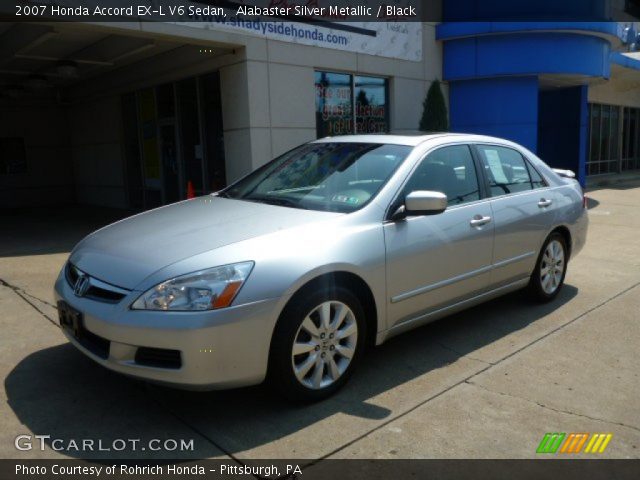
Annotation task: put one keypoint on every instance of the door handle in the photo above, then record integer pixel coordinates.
(479, 220)
(544, 202)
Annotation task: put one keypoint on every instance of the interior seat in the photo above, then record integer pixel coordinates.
(436, 177)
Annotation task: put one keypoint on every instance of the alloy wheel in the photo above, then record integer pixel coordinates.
(324, 345)
(552, 267)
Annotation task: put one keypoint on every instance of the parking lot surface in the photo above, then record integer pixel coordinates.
(485, 383)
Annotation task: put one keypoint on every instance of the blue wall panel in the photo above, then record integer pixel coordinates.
(494, 51)
(504, 107)
(526, 54)
(453, 30)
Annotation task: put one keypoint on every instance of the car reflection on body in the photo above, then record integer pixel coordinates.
(290, 272)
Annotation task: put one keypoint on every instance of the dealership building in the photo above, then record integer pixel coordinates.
(135, 114)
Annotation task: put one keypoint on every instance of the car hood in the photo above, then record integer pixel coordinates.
(126, 252)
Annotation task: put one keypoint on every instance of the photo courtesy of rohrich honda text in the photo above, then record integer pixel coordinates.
(319, 238)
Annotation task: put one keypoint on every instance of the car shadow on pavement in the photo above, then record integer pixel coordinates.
(59, 392)
(592, 203)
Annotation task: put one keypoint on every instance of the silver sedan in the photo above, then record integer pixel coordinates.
(291, 272)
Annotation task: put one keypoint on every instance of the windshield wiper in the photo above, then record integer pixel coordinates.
(279, 201)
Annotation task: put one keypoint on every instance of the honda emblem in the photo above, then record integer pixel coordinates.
(81, 286)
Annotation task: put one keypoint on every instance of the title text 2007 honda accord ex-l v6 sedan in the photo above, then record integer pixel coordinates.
(290, 272)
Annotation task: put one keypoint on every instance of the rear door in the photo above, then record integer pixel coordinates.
(435, 260)
(523, 210)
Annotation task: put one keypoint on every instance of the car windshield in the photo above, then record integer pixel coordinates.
(337, 177)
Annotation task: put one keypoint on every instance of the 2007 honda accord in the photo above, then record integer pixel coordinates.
(290, 272)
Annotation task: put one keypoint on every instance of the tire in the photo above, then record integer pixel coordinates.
(322, 361)
(548, 275)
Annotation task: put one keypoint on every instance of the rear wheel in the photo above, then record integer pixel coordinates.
(547, 278)
(317, 344)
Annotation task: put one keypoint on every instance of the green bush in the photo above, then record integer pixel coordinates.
(434, 114)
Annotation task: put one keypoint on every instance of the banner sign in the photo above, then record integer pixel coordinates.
(328, 29)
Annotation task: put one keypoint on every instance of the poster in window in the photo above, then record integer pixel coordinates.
(334, 108)
(371, 105)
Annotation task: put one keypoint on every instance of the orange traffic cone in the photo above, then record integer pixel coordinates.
(191, 193)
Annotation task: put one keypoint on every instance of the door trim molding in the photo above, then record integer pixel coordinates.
(442, 283)
(450, 281)
(461, 304)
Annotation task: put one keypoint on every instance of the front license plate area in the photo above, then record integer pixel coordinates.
(70, 319)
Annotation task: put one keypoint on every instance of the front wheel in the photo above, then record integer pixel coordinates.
(548, 276)
(317, 344)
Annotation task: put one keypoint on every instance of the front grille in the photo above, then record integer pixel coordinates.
(72, 274)
(101, 293)
(158, 357)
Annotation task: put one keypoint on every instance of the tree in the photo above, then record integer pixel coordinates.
(434, 114)
(361, 98)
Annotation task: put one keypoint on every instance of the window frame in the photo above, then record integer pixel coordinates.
(528, 165)
(531, 167)
(353, 97)
(398, 201)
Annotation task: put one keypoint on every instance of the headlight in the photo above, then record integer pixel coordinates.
(204, 290)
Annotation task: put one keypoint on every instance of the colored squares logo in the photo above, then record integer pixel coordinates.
(574, 443)
(598, 443)
(550, 442)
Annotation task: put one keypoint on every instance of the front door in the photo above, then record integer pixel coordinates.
(435, 260)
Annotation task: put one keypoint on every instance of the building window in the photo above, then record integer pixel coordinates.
(614, 139)
(630, 133)
(371, 104)
(604, 145)
(347, 104)
(334, 104)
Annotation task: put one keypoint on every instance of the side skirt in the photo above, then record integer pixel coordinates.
(429, 317)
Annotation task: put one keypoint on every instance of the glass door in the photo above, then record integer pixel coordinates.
(174, 140)
(212, 131)
(630, 157)
(169, 161)
(192, 153)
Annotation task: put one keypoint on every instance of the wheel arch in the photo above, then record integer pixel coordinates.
(350, 281)
(566, 234)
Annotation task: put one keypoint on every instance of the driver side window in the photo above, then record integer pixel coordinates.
(449, 170)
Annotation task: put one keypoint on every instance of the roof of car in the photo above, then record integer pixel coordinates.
(409, 138)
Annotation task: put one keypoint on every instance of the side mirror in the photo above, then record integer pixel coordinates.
(422, 202)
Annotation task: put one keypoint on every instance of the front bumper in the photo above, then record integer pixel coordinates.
(217, 349)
